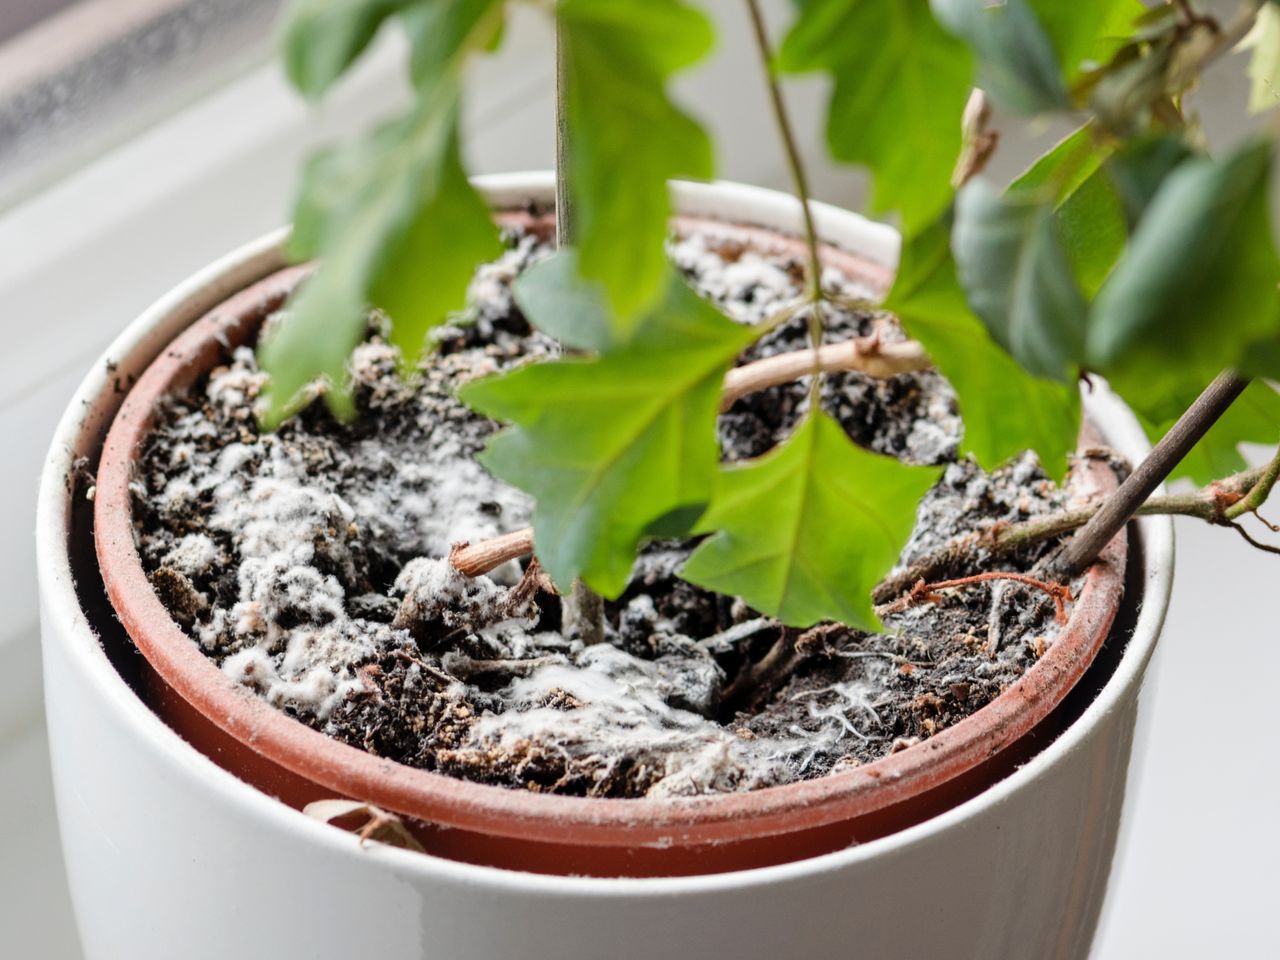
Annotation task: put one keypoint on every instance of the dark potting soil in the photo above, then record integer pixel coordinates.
(309, 565)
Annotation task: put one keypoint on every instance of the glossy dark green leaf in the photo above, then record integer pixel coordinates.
(1017, 278)
(805, 532)
(614, 445)
(628, 138)
(1005, 409)
(1198, 284)
(899, 88)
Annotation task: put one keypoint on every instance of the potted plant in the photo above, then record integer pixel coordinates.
(649, 638)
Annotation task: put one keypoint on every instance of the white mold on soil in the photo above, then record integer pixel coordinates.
(309, 564)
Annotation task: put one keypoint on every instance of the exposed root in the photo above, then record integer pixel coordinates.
(924, 592)
(479, 558)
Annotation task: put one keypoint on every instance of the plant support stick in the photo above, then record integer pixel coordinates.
(583, 607)
(1088, 542)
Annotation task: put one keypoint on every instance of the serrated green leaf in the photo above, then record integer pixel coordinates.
(627, 138)
(1017, 64)
(320, 39)
(1264, 64)
(1005, 409)
(613, 445)
(805, 532)
(1197, 285)
(400, 228)
(1017, 278)
(1253, 418)
(900, 86)
(555, 299)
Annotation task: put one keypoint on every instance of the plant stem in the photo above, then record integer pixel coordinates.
(799, 180)
(583, 609)
(564, 196)
(474, 560)
(1085, 545)
(1226, 39)
(1220, 503)
(864, 354)
(1259, 492)
(1212, 503)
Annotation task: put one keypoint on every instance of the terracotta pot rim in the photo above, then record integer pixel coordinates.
(506, 812)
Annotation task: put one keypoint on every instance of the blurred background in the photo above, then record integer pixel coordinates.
(142, 139)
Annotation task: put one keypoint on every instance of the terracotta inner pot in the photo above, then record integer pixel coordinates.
(546, 833)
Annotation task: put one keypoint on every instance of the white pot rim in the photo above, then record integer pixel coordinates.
(877, 242)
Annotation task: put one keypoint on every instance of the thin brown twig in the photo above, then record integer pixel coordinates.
(1273, 527)
(758, 680)
(1239, 528)
(1210, 503)
(923, 592)
(1213, 504)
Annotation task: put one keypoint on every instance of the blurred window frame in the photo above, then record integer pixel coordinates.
(96, 73)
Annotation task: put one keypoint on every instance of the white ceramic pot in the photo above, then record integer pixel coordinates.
(169, 855)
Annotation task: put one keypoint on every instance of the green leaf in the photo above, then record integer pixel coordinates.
(1100, 192)
(1017, 278)
(1253, 418)
(1088, 214)
(627, 139)
(805, 532)
(1018, 66)
(558, 302)
(400, 228)
(320, 39)
(441, 30)
(1005, 409)
(1197, 285)
(611, 446)
(1140, 167)
(1264, 64)
(1086, 31)
(900, 85)
(1065, 168)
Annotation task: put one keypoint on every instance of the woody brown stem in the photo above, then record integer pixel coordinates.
(1210, 503)
(863, 354)
(1120, 506)
(479, 558)
(1220, 503)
